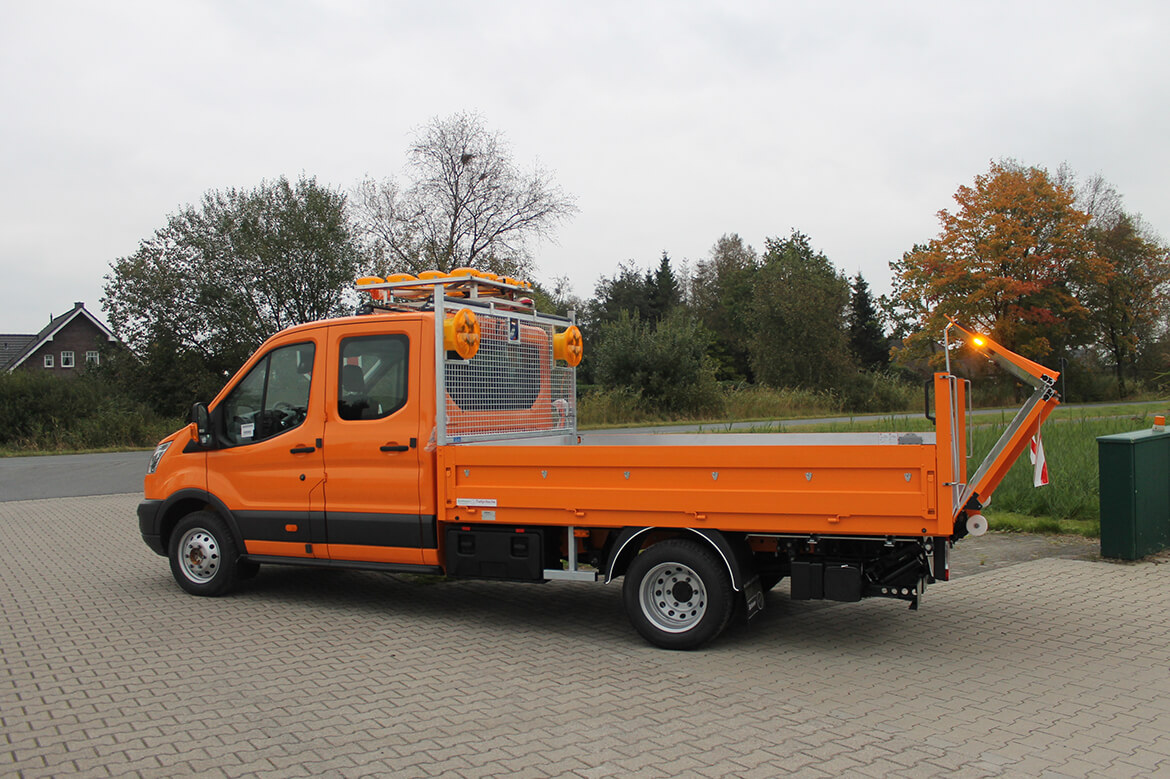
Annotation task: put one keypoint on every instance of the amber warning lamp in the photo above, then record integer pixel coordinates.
(379, 295)
(1021, 367)
(568, 346)
(461, 333)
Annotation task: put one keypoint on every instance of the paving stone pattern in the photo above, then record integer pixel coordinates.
(1054, 667)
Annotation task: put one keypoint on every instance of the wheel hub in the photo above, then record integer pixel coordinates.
(199, 555)
(673, 597)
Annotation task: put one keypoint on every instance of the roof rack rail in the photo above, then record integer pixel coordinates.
(468, 283)
(465, 286)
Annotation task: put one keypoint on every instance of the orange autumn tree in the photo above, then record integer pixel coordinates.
(1012, 260)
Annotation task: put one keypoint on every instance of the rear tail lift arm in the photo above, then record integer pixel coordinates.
(1026, 423)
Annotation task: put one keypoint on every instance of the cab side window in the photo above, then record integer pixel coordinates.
(371, 376)
(272, 399)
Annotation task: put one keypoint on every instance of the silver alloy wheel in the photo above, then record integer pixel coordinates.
(199, 556)
(673, 597)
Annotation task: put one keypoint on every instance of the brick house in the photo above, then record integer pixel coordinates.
(62, 348)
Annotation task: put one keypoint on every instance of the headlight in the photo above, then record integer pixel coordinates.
(159, 451)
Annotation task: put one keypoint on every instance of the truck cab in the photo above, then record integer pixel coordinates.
(322, 447)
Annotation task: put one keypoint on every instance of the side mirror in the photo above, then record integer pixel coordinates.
(202, 421)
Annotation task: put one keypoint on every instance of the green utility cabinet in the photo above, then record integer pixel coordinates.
(1135, 493)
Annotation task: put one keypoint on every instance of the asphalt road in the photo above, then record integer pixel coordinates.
(71, 475)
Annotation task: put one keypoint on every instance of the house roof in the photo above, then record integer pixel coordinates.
(34, 342)
(13, 346)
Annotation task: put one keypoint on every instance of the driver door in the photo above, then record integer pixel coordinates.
(268, 468)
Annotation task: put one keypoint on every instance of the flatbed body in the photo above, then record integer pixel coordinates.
(785, 483)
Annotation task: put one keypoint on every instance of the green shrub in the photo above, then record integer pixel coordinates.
(664, 364)
(610, 407)
(39, 412)
(875, 391)
(757, 402)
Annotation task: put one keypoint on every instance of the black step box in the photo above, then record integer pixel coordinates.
(842, 582)
(495, 553)
(831, 581)
(807, 580)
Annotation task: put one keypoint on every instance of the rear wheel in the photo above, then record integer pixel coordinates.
(678, 594)
(203, 555)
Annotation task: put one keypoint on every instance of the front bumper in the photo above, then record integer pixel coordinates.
(149, 513)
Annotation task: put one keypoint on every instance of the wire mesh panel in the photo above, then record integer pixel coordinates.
(512, 387)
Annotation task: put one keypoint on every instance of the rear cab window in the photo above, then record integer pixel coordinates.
(372, 376)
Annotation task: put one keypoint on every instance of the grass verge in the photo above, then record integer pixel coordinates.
(1011, 522)
(1070, 445)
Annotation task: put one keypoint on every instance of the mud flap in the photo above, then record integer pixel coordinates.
(940, 561)
(753, 595)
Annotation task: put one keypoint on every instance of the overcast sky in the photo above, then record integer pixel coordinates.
(671, 122)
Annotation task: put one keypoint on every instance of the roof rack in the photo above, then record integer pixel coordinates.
(467, 286)
(403, 289)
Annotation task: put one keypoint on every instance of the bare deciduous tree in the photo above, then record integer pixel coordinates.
(465, 204)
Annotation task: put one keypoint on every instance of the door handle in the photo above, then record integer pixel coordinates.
(302, 449)
(394, 448)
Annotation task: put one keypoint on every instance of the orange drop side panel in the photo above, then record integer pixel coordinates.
(843, 489)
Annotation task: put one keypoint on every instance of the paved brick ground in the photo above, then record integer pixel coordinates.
(1054, 667)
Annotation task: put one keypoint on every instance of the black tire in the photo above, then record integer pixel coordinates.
(204, 555)
(678, 594)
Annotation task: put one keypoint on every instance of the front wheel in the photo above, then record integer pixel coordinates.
(678, 594)
(203, 555)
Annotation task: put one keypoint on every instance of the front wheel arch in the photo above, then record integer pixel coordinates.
(181, 504)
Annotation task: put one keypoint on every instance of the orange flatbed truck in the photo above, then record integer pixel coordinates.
(435, 432)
